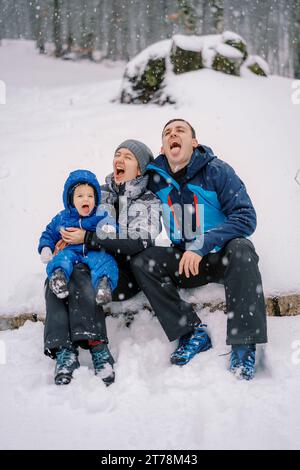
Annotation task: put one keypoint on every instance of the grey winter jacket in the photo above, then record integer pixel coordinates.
(137, 211)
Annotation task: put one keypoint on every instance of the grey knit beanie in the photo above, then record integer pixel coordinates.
(141, 152)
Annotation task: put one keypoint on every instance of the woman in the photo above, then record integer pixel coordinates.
(79, 320)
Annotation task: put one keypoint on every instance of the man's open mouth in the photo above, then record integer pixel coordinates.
(174, 145)
(85, 207)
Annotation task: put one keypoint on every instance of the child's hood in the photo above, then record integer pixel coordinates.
(78, 177)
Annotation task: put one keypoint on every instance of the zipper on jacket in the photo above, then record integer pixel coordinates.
(83, 245)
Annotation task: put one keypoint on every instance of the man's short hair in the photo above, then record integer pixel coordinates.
(182, 120)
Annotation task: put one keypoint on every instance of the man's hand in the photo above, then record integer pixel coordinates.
(73, 236)
(189, 263)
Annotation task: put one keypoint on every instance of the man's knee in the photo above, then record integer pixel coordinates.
(241, 249)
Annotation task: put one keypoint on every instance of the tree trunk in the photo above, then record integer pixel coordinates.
(296, 41)
(57, 28)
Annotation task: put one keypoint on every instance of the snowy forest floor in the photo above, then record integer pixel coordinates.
(59, 117)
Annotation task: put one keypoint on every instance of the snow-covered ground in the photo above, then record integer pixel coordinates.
(59, 117)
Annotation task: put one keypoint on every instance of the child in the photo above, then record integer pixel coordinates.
(81, 196)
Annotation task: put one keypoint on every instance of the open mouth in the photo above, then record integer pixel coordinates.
(175, 148)
(175, 145)
(120, 171)
(85, 208)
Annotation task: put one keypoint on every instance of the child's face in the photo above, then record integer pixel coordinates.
(84, 199)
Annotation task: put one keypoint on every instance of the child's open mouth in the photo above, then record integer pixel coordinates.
(85, 208)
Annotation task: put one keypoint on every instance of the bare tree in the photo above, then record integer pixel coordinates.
(57, 28)
(296, 40)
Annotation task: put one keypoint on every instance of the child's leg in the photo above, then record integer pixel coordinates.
(59, 270)
(102, 265)
(64, 260)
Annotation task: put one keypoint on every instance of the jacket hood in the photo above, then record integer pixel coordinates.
(201, 156)
(77, 177)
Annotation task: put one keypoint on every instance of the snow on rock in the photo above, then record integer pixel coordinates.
(229, 52)
(188, 43)
(257, 65)
(144, 75)
(229, 36)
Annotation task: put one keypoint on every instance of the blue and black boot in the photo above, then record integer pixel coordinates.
(103, 363)
(190, 345)
(242, 360)
(66, 363)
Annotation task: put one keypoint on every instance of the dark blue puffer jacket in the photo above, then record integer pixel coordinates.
(217, 206)
(70, 217)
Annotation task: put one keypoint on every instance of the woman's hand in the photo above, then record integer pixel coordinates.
(73, 236)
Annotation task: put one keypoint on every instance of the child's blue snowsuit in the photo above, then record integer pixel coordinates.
(100, 263)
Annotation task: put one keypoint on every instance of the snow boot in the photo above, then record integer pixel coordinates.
(66, 363)
(242, 360)
(190, 345)
(104, 293)
(103, 363)
(58, 284)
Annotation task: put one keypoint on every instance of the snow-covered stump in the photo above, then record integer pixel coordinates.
(186, 53)
(143, 80)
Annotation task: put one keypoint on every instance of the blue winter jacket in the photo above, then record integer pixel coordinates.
(70, 217)
(210, 207)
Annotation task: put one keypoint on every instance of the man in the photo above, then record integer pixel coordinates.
(210, 247)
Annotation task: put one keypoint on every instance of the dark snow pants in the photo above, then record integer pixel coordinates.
(235, 266)
(78, 318)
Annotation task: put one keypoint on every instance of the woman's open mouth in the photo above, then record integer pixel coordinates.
(119, 172)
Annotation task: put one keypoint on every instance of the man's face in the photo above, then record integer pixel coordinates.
(178, 144)
(84, 199)
(126, 167)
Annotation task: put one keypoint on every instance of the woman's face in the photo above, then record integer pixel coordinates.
(126, 166)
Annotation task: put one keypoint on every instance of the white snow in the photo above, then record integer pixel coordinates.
(59, 117)
(229, 51)
(231, 36)
(188, 43)
(255, 59)
(152, 404)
